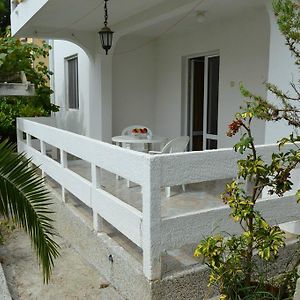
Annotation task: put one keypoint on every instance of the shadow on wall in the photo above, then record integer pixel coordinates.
(72, 120)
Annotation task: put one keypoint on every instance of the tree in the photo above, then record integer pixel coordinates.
(25, 201)
(288, 19)
(235, 261)
(4, 15)
(16, 56)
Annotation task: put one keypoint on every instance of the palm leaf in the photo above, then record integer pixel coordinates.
(25, 200)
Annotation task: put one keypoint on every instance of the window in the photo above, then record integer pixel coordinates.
(72, 82)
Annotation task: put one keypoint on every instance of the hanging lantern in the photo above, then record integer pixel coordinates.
(106, 34)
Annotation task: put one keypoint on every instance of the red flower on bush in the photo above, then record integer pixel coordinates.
(234, 127)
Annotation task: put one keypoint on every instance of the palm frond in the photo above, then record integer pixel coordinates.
(25, 200)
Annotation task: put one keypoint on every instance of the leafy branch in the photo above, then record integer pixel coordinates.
(235, 260)
(25, 201)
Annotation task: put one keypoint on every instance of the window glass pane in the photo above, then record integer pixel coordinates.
(213, 95)
(73, 83)
(198, 93)
(198, 143)
(211, 144)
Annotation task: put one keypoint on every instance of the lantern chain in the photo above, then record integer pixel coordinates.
(105, 12)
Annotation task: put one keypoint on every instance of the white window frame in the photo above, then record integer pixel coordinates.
(67, 101)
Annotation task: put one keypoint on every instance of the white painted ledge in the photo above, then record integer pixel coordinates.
(17, 89)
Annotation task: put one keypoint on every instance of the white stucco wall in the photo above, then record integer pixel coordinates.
(243, 47)
(71, 119)
(133, 84)
(282, 71)
(147, 83)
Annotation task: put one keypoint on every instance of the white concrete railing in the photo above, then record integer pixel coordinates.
(147, 229)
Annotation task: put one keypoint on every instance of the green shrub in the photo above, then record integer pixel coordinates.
(235, 261)
(15, 57)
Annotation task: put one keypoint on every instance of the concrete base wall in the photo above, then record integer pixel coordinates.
(125, 272)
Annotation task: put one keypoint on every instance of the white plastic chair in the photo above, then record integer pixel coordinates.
(176, 145)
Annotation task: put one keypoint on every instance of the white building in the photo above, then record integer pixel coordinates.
(175, 67)
(144, 77)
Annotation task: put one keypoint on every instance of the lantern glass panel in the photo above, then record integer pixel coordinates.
(106, 37)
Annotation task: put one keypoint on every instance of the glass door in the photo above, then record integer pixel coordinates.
(203, 102)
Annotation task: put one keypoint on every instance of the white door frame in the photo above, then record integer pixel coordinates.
(189, 95)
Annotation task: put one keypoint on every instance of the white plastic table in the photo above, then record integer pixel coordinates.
(131, 140)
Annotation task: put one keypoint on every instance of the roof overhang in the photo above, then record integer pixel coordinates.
(60, 19)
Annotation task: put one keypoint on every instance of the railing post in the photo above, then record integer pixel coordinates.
(28, 140)
(19, 139)
(29, 144)
(43, 147)
(152, 222)
(96, 184)
(64, 164)
(43, 152)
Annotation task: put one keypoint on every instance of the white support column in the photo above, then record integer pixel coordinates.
(96, 184)
(152, 223)
(100, 106)
(94, 105)
(64, 164)
(106, 97)
(282, 71)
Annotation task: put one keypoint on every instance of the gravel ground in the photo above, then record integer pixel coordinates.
(72, 277)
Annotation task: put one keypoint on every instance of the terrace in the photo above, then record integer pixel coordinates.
(141, 218)
(157, 74)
